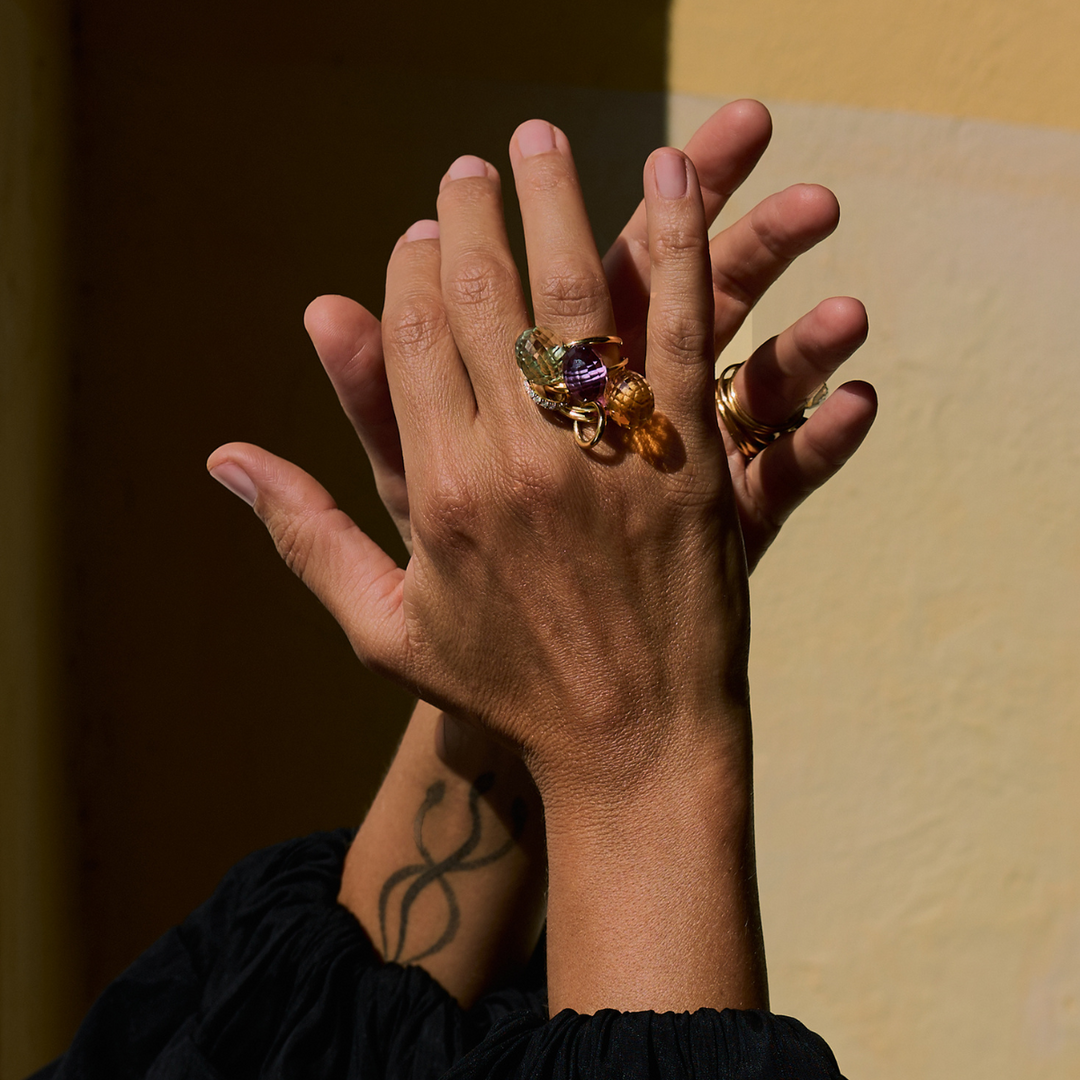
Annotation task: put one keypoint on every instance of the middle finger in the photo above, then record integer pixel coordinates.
(566, 276)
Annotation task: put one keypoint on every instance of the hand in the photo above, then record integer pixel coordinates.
(746, 259)
(517, 534)
(588, 608)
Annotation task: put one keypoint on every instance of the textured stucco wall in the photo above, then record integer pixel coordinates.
(915, 677)
(994, 59)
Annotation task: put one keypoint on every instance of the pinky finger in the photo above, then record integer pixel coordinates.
(357, 582)
(793, 468)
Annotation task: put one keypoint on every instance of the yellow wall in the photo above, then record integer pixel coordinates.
(994, 59)
(39, 964)
(915, 676)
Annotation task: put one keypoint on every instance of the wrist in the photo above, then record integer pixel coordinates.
(641, 763)
(447, 870)
(703, 788)
(652, 894)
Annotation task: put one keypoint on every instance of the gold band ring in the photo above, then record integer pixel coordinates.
(749, 434)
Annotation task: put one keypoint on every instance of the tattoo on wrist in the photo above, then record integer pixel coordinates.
(423, 875)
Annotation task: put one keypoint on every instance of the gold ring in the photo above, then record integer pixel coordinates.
(578, 381)
(750, 435)
(592, 414)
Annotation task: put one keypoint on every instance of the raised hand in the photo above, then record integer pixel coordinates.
(588, 608)
(504, 905)
(746, 259)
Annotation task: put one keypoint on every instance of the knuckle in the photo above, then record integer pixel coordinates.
(569, 292)
(416, 326)
(294, 537)
(734, 288)
(680, 243)
(535, 488)
(459, 513)
(685, 339)
(785, 475)
(527, 477)
(479, 280)
(445, 508)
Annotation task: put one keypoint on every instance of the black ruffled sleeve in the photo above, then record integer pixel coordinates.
(747, 1045)
(273, 978)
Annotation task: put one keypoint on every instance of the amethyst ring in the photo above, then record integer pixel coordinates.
(586, 380)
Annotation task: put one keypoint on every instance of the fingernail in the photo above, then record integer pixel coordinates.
(669, 168)
(535, 137)
(230, 475)
(423, 230)
(467, 165)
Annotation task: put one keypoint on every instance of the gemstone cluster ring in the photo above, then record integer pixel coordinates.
(585, 380)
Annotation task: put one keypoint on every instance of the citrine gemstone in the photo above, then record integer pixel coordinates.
(539, 355)
(629, 398)
(584, 372)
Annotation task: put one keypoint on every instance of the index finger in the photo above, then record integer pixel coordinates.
(569, 290)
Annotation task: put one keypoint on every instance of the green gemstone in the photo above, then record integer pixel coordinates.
(539, 355)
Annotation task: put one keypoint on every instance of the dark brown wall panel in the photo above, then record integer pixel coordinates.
(234, 161)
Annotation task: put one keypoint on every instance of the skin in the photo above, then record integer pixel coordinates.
(650, 781)
(501, 904)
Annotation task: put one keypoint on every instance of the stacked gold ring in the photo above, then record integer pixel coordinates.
(749, 434)
(575, 380)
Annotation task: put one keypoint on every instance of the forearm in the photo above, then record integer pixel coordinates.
(447, 870)
(653, 895)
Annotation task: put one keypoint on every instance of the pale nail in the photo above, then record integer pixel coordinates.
(231, 476)
(535, 137)
(423, 230)
(467, 165)
(670, 170)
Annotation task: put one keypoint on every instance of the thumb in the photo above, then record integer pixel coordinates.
(358, 583)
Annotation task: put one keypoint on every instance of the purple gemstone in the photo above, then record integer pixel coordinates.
(584, 372)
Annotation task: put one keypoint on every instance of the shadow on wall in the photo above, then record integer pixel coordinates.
(233, 161)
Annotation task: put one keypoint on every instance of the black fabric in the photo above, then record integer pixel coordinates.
(272, 978)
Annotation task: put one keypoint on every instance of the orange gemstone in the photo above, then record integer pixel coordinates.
(629, 398)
